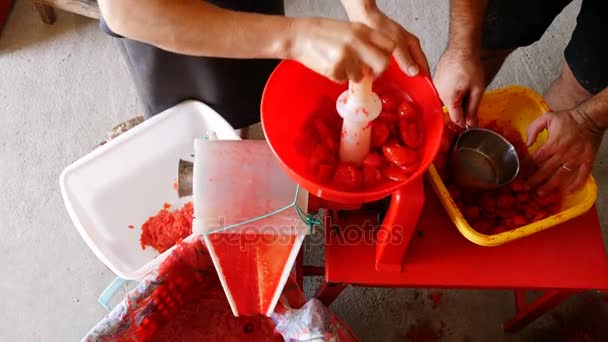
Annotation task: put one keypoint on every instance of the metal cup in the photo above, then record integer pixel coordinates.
(482, 159)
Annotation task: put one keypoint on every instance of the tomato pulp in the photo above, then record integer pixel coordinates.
(251, 265)
(168, 227)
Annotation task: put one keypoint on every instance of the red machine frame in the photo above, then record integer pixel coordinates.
(563, 260)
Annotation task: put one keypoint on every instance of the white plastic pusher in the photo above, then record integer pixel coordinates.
(358, 106)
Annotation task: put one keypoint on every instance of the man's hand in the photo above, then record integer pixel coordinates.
(408, 53)
(339, 50)
(459, 80)
(459, 76)
(565, 160)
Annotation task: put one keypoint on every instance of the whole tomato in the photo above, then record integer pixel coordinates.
(499, 229)
(489, 214)
(371, 176)
(522, 197)
(389, 102)
(347, 176)
(518, 186)
(380, 133)
(472, 212)
(488, 202)
(408, 111)
(506, 201)
(547, 200)
(409, 169)
(399, 155)
(389, 117)
(505, 213)
(373, 160)
(483, 226)
(410, 133)
(520, 220)
(395, 174)
(326, 136)
(320, 155)
(540, 216)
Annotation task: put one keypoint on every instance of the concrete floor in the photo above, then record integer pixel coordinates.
(63, 86)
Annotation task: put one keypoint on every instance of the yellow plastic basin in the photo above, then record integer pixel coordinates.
(515, 107)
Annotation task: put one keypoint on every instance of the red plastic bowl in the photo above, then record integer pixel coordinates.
(294, 93)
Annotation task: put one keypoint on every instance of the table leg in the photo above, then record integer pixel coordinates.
(526, 313)
(299, 269)
(46, 12)
(314, 271)
(328, 292)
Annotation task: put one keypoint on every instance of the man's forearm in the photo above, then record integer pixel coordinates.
(594, 113)
(466, 21)
(195, 27)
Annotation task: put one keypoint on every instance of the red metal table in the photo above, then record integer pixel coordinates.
(561, 260)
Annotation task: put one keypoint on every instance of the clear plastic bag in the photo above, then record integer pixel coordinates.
(313, 322)
(183, 300)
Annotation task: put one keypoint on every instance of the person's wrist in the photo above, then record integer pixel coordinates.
(288, 40)
(597, 114)
(587, 120)
(463, 52)
(466, 47)
(362, 11)
(370, 18)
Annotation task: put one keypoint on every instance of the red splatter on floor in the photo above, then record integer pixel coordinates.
(591, 300)
(131, 226)
(175, 185)
(423, 332)
(580, 336)
(435, 297)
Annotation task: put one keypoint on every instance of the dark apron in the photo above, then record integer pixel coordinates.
(233, 87)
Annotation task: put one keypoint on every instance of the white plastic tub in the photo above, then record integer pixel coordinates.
(127, 180)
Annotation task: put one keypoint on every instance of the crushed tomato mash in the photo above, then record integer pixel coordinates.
(167, 227)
